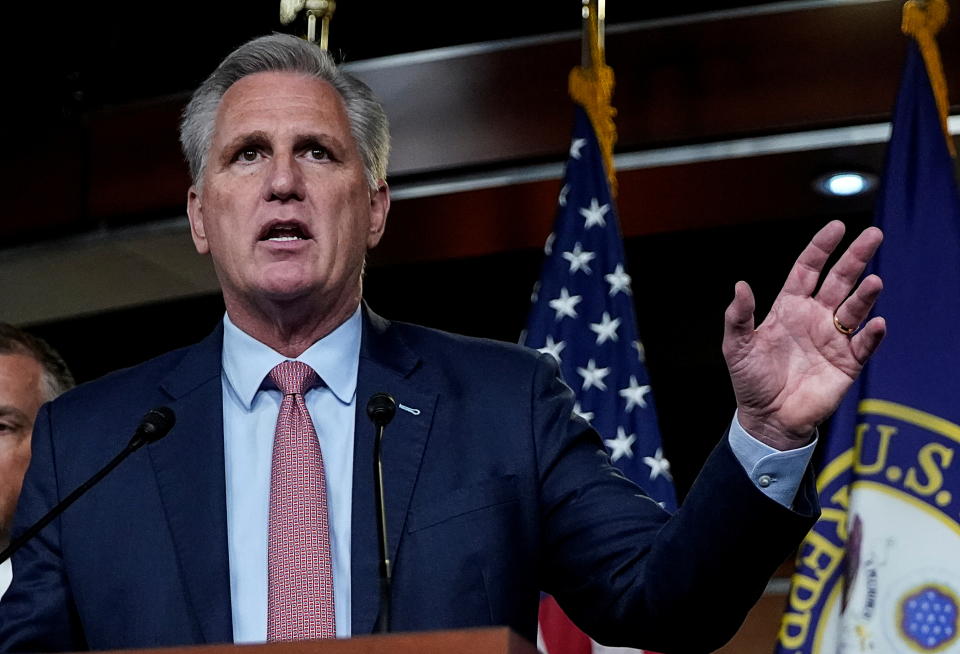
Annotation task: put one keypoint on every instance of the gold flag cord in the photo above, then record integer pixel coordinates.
(592, 87)
(922, 20)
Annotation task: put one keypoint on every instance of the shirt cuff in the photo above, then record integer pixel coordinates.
(776, 473)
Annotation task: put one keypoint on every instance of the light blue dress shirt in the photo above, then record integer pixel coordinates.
(6, 576)
(250, 409)
(777, 474)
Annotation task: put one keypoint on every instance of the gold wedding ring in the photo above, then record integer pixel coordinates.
(843, 329)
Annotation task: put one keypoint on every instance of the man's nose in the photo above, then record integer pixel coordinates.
(285, 179)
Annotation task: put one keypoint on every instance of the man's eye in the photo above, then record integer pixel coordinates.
(319, 153)
(248, 155)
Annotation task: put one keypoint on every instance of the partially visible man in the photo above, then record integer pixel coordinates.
(31, 373)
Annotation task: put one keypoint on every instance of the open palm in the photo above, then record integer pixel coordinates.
(790, 373)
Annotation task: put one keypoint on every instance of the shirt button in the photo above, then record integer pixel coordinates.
(764, 480)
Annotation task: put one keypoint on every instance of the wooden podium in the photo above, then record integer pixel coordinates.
(493, 640)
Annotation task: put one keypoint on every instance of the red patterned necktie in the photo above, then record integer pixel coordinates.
(299, 565)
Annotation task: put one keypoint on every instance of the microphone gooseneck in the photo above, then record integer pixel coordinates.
(380, 409)
(154, 425)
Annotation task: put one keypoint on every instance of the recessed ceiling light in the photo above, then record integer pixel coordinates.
(845, 184)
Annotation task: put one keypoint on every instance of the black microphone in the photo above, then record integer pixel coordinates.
(154, 426)
(380, 409)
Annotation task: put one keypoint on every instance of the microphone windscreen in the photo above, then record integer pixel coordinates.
(380, 408)
(156, 423)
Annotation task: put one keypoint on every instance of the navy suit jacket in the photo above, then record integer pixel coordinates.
(494, 491)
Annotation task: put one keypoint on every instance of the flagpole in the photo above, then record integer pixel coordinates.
(585, 54)
(601, 10)
(591, 84)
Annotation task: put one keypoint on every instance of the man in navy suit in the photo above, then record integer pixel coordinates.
(495, 489)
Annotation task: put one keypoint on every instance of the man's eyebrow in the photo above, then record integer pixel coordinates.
(8, 410)
(318, 138)
(248, 139)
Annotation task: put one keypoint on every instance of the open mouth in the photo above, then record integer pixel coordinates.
(282, 232)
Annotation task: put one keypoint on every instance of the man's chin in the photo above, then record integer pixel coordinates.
(287, 293)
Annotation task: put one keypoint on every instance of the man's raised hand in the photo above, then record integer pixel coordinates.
(790, 373)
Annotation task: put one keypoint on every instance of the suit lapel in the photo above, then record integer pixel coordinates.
(189, 467)
(387, 365)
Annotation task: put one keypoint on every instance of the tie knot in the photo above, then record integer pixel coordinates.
(294, 377)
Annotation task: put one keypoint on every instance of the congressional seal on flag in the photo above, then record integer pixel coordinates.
(881, 573)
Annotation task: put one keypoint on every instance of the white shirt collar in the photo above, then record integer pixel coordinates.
(335, 357)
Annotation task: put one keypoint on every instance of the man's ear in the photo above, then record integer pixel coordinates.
(195, 214)
(379, 206)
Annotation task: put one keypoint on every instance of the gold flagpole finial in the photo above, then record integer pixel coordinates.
(322, 9)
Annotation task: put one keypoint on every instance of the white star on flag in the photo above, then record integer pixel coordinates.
(641, 352)
(606, 330)
(535, 293)
(586, 415)
(594, 214)
(593, 376)
(635, 394)
(562, 200)
(553, 349)
(565, 305)
(658, 465)
(579, 259)
(620, 446)
(619, 281)
(575, 147)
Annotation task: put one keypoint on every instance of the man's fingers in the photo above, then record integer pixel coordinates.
(805, 273)
(856, 308)
(865, 342)
(845, 273)
(738, 318)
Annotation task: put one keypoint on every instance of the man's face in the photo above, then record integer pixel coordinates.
(20, 398)
(284, 207)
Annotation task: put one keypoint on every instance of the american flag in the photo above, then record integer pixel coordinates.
(583, 314)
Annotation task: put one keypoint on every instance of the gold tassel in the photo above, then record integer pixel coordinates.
(922, 20)
(592, 88)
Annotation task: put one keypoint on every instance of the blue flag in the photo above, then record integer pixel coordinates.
(583, 315)
(880, 572)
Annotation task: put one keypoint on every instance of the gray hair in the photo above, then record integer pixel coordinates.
(285, 53)
(56, 377)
